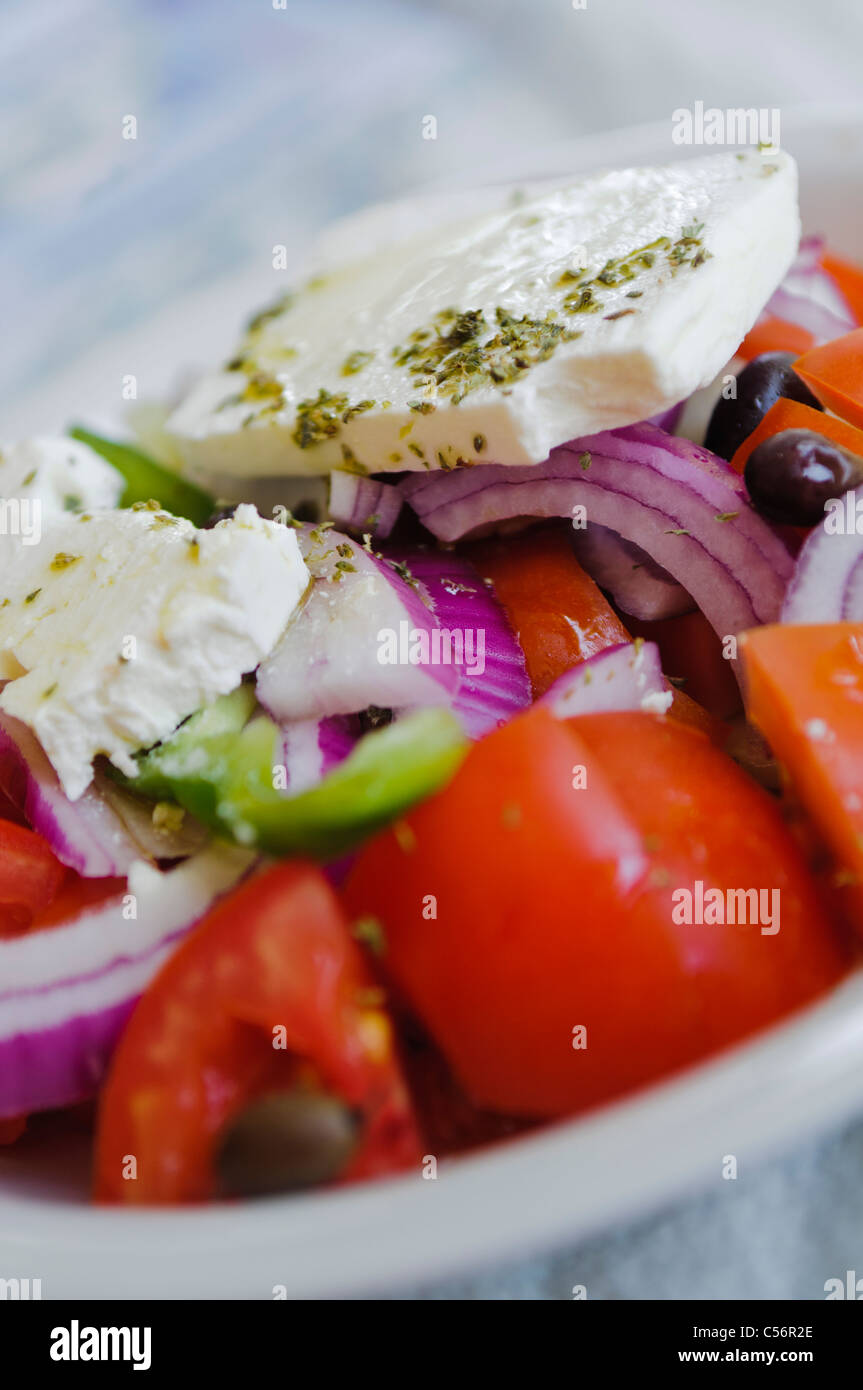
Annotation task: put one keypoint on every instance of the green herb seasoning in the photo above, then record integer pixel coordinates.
(167, 817)
(355, 361)
(369, 931)
(273, 311)
(263, 386)
(319, 418)
(405, 836)
(403, 572)
(351, 464)
(358, 409)
(62, 561)
(465, 353)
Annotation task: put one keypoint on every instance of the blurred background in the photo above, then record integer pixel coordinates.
(257, 121)
(254, 123)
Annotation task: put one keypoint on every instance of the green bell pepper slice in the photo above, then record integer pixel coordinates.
(226, 779)
(146, 479)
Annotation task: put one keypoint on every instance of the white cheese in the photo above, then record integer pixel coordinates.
(120, 624)
(42, 481)
(632, 289)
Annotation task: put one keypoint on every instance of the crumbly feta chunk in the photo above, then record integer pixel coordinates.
(120, 624)
(42, 481)
(587, 307)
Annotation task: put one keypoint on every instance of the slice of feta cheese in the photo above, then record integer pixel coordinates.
(583, 308)
(42, 481)
(120, 624)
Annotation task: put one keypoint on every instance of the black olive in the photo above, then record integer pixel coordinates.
(792, 474)
(284, 1142)
(374, 718)
(220, 514)
(758, 386)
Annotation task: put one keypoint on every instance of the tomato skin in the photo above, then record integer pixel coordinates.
(450, 1124)
(799, 678)
(795, 415)
(30, 877)
(554, 910)
(77, 895)
(849, 279)
(834, 373)
(12, 1129)
(692, 651)
(559, 615)
(274, 954)
(775, 335)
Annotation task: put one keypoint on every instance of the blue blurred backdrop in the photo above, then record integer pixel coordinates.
(258, 120)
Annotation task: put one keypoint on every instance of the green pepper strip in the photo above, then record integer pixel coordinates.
(146, 479)
(227, 782)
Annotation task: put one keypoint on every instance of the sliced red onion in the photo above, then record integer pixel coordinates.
(827, 583)
(685, 507)
(667, 419)
(494, 683)
(357, 640)
(638, 586)
(312, 747)
(102, 833)
(364, 504)
(66, 992)
(155, 840)
(628, 676)
(85, 834)
(810, 297)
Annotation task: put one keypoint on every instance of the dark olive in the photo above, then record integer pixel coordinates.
(285, 1141)
(374, 718)
(758, 386)
(220, 514)
(792, 474)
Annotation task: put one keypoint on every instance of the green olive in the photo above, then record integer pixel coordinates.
(284, 1142)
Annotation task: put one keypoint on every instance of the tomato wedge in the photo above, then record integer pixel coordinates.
(535, 896)
(849, 279)
(804, 687)
(30, 877)
(75, 896)
(834, 372)
(692, 651)
(12, 1129)
(272, 961)
(775, 335)
(559, 615)
(794, 415)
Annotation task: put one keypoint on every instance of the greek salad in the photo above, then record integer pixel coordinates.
(508, 765)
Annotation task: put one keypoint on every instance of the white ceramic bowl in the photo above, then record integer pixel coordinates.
(562, 1183)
